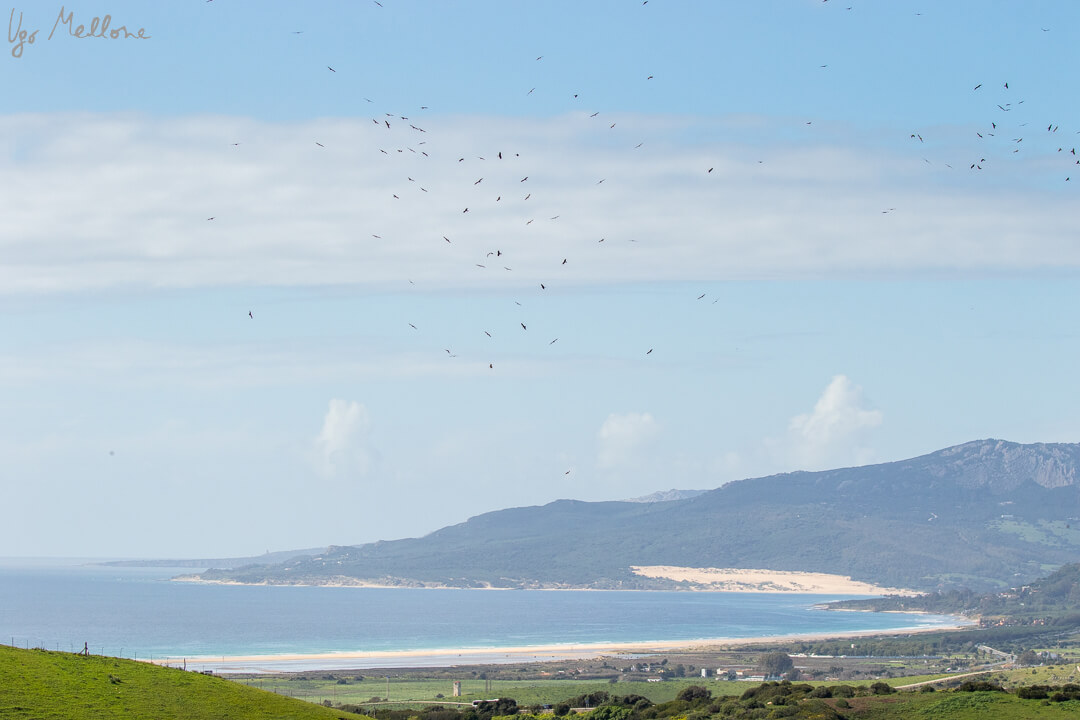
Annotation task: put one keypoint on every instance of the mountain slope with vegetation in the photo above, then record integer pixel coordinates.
(987, 514)
(1054, 599)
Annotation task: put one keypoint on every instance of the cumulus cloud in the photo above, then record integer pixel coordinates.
(341, 447)
(834, 432)
(623, 437)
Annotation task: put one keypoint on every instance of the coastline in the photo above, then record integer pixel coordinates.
(450, 657)
(723, 580)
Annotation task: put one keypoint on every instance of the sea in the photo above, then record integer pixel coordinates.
(141, 613)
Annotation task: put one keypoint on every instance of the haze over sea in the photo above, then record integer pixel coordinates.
(139, 612)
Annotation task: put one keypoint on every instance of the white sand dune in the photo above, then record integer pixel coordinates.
(770, 581)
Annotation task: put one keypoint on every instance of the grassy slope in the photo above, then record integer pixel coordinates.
(42, 684)
(958, 706)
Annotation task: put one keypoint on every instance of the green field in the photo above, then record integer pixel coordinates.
(42, 685)
(416, 692)
(317, 688)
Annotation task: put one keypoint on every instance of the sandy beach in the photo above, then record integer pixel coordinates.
(449, 657)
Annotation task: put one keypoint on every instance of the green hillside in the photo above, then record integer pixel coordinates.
(41, 684)
(986, 515)
(1051, 601)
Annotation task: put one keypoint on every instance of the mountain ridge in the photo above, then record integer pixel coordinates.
(984, 514)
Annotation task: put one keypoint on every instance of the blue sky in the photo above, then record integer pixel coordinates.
(796, 236)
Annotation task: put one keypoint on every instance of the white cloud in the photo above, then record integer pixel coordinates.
(341, 446)
(121, 200)
(623, 437)
(832, 434)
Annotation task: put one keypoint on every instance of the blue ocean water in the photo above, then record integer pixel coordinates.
(139, 612)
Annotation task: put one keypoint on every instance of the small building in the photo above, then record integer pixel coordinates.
(457, 688)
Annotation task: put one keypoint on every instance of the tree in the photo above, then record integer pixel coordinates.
(1028, 657)
(775, 664)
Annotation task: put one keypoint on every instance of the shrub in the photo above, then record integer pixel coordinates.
(881, 688)
(693, 692)
(1033, 692)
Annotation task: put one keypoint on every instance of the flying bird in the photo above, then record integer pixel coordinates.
(331, 69)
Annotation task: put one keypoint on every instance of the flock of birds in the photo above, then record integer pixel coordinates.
(1004, 135)
(407, 138)
(491, 186)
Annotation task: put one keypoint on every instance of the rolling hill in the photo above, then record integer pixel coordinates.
(42, 684)
(986, 514)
